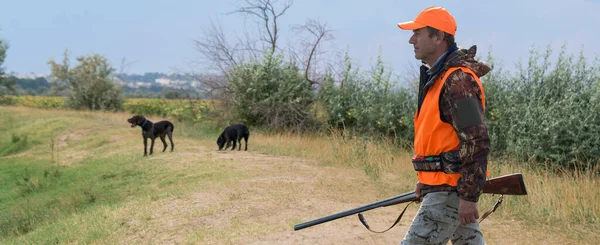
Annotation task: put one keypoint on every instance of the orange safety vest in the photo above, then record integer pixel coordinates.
(432, 135)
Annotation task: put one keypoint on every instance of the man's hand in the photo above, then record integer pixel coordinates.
(467, 212)
(418, 192)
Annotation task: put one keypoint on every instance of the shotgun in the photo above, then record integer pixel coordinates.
(511, 184)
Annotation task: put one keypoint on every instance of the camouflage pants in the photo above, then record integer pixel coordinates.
(437, 222)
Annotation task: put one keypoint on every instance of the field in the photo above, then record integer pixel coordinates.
(79, 177)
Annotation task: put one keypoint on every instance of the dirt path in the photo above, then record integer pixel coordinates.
(262, 208)
(308, 192)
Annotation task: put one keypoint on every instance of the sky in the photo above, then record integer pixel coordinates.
(157, 36)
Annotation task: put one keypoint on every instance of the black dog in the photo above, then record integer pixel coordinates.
(234, 133)
(152, 130)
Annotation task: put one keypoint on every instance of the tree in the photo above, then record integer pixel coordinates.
(89, 84)
(260, 81)
(6, 84)
(268, 15)
(225, 56)
(320, 33)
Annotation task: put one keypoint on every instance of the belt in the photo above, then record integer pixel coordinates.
(447, 162)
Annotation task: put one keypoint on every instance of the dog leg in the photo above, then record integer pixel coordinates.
(233, 147)
(239, 140)
(145, 146)
(245, 139)
(170, 135)
(162, 138)
(152, 144)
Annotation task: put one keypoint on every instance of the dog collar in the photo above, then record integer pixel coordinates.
(144, 123)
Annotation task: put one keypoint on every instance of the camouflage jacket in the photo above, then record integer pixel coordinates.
(474, 140)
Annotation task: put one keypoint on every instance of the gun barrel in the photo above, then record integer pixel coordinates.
(406, 197)
(511, 184)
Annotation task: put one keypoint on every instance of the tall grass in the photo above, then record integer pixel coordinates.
(373, 156)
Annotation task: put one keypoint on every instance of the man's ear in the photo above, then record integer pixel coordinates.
(439, 38)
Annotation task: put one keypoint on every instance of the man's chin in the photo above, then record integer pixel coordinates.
(417, 55)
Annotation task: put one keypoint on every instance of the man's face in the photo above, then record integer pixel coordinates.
(424, 46)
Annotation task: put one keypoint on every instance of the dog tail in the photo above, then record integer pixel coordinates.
(172, 127)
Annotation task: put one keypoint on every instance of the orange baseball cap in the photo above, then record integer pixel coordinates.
(436, 17)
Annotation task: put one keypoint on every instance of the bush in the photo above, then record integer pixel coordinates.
(370, 104)
(271, 93)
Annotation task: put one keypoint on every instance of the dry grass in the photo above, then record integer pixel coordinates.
(557, 202)
(374, 158)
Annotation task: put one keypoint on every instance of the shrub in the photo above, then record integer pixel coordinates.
(271, 93)
(370, 104)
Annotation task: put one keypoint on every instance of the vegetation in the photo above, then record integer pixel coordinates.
(183, 110)
(546, 111)
(6, 84)
(88, 83)
(271, 93)
(370, 103)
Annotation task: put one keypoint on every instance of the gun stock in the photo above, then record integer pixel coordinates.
(511, 184)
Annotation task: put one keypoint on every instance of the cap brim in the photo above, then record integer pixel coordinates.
(410, 25)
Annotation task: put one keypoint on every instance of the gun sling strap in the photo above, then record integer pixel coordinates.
(364, 221)
(486, 214)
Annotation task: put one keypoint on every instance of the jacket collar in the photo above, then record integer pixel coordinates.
(439, 63)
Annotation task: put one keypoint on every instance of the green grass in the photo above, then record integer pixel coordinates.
(43, 201)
